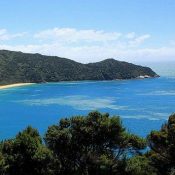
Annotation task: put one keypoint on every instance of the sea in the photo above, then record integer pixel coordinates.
(143, 105)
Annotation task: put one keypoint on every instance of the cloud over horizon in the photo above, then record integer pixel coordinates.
(5, 35)
(88, 45)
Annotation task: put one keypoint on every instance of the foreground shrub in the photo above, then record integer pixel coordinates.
(96, 144)
(92, 144)
(162, 144)
(139, 165)
(25, 154)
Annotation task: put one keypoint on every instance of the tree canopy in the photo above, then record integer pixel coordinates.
(90, 144)
(18, 67)
(162, 144)
(96, 144)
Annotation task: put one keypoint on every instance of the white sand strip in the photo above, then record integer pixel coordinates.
(15, 85)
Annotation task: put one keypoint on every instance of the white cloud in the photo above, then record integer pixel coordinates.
(139, 40)
(74, 35)
(5, 35)
(131, 35)
(89, 45)
(94, 53)
(71, 35)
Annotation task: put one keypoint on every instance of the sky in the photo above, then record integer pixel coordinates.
(90, 30)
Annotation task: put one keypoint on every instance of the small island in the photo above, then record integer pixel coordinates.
(18, 67)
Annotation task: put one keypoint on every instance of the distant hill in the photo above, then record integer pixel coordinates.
(18, 67)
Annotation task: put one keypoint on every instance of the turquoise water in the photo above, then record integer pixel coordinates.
(143, 105)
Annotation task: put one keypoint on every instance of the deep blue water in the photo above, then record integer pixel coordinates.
(143, 105)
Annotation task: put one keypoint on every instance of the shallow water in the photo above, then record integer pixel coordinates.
(142, 104)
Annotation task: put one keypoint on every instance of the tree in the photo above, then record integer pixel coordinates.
(139, 165)
(162, 144)
(25, 154)
(91, 144)
(3, 166)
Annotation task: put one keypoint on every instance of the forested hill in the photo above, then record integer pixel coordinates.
(18, 67)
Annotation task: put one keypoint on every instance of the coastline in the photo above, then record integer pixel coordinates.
(27, 84)
(14, 85)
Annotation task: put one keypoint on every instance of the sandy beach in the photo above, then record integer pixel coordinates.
(15, 85)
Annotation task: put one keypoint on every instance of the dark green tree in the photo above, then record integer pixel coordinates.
(18, 67)
(25, 154)
(3, 166)
(139, 165)
(93, 144)
(162, 144)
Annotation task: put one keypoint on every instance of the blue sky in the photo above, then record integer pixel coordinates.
(90, 30)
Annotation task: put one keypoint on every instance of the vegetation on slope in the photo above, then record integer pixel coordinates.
(18, 67)
(96, 144)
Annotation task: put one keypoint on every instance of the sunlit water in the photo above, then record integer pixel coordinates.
(143, 105)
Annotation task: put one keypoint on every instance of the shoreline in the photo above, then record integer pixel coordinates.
(14, 85)
(27, 84)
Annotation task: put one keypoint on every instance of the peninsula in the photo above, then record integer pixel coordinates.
(18, 67)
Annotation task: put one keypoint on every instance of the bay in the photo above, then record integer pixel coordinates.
(143, 105)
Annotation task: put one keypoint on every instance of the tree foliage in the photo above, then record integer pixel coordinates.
(18, 67)
(91, 144)
(96, 144)
(140, 165)
(26, 155)
(162, 144)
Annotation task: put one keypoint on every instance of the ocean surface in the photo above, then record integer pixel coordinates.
(143, 105)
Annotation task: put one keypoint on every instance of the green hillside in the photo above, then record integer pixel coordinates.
(18, 67)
